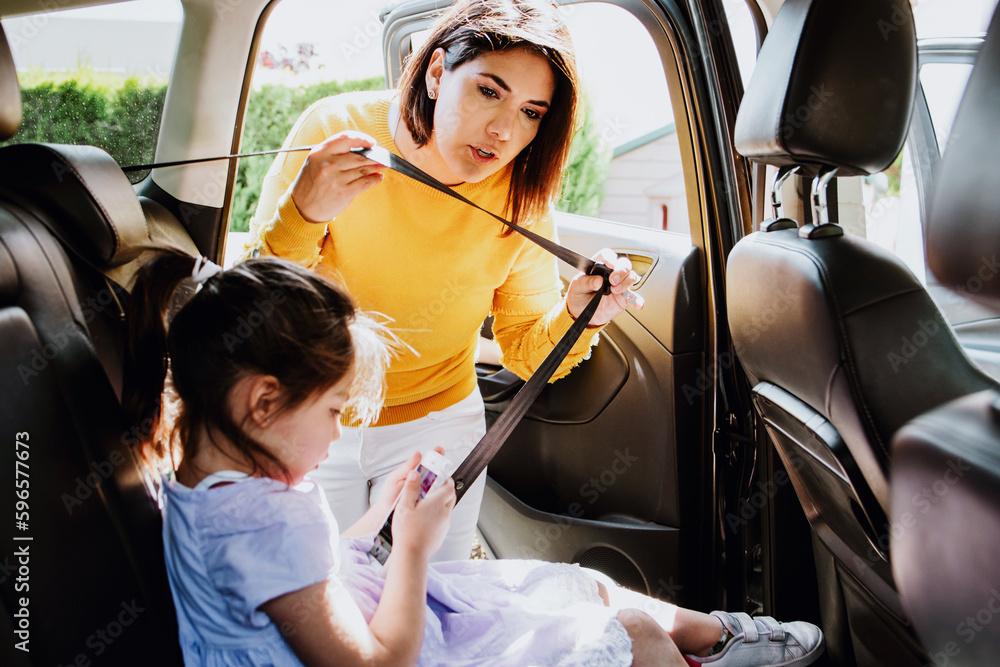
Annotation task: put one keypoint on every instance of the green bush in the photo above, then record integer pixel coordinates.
(589, 162)
(271, 112)
(120, 117)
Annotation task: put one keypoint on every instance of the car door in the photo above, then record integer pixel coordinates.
(613, 465)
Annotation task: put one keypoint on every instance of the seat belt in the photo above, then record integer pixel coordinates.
(472, 467)
(475, 463)
(479, 457)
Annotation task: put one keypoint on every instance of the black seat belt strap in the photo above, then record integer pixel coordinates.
(480, 456)
(477, 460)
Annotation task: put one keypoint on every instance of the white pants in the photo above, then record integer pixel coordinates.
(360, 461)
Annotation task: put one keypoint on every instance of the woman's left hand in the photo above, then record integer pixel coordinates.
(582, 288)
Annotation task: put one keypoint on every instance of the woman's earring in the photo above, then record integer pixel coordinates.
(431, 94)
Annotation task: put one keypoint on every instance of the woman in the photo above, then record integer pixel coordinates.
(487, 105)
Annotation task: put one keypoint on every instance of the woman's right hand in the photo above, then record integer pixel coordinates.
(419, 526)
(332, 176)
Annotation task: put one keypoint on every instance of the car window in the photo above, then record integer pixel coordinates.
(309, 50)
(626, 164)
(96, 76)
(943, 84)
(889, 208)
(741, 28)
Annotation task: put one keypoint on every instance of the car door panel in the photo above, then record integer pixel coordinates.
(606, 491)
(591, 392)
(597, 470)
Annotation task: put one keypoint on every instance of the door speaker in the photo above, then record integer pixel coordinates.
(616, 565)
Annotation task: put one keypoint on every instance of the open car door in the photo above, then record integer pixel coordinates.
(613, 466)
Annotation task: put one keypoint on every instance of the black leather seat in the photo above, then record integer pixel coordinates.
(946, 462)
(820, 320)
(83, 579)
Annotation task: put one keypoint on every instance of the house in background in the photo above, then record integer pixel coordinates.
(645, 184)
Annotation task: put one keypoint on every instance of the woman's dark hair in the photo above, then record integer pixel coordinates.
(473, 27)
(265, 316)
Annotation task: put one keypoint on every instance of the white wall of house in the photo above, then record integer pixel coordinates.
(644, 179)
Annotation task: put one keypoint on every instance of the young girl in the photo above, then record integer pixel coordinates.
(488, 105)
(264, 358)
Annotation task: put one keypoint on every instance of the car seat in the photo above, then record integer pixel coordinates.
(840, 341)
(946, 462)
(83, 579)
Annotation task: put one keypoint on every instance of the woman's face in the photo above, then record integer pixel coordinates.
(487, 110)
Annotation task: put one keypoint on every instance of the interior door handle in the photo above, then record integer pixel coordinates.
(642, 263)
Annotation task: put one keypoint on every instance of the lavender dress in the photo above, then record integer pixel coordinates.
(232, 548)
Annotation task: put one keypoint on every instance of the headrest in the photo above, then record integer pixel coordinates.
(964, 221)
(833, 85)
(10, 92)
(86, 196)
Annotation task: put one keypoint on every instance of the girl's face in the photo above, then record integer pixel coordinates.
(300, 438)
(487, 110)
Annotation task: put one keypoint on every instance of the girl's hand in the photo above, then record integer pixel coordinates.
(582, 287)
(394, 484)
(419, 527)
(332, 176)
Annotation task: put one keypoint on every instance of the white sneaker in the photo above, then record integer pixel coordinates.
(762, 641)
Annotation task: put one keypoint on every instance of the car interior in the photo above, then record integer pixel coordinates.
(795, 425)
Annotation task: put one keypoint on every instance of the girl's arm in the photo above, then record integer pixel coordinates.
(323, 625)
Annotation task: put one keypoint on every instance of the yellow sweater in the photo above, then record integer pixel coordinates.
(435, 266)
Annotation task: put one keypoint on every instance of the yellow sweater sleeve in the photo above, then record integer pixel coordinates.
(277, 227)
(529, 312)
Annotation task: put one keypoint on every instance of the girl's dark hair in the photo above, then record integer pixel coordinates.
(265, 316)
(473, 27)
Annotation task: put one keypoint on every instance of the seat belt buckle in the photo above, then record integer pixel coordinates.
(603, 270)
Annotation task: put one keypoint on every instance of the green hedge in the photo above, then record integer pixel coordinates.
(271, 112)
(123, 117)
